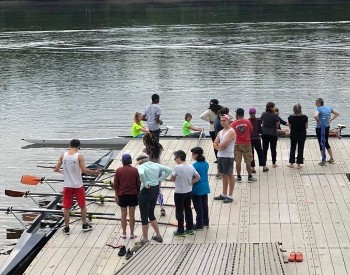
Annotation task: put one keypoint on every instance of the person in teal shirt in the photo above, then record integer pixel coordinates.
(151, 174)
(187, 127)
(138, 129)
(200, 189)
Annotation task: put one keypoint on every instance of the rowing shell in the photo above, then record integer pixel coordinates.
(87, 141)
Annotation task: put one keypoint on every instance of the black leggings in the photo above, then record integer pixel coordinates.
(147, 203)
(272, 141)
(318, 133)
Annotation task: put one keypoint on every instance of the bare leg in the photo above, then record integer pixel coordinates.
(132, 219)
(231, 184)
(330, 152)
(145, 232)
(224, 184)
(238, 168)
(83, 214)
(124, 213)
(155, 227)
(249, 168)
(66, 217)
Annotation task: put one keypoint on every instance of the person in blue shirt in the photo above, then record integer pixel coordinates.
(200, 189)
(323, 116)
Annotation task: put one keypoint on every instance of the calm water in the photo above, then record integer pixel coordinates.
(83, 71)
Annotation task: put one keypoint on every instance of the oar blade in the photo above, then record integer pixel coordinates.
(30, 180)
(16, 194)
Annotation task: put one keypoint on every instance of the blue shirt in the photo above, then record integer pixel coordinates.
(202, 186)
(324, 114)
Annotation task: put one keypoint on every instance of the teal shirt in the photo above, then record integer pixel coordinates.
(152, 173)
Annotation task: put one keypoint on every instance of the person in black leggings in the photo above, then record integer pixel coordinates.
(270, 122)
(150, 178)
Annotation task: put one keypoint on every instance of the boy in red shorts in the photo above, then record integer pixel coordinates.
(73, 165)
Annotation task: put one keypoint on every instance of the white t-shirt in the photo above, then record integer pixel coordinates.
(151, 111)
(183, 174)
(71, 171)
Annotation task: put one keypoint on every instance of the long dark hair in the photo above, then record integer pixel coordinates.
(153, 147)
(199, 152)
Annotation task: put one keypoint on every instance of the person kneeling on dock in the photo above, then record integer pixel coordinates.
(150, 179)
(73, 165)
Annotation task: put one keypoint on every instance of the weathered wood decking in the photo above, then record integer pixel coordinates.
(306, 209)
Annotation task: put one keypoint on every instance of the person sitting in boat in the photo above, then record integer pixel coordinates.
(282, 132)
(187, 127)
(73, 165)
(138, 129)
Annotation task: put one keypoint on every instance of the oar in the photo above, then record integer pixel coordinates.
(52, 211)
(33, 180)
(90, 217)
(18, 194)
(53, 167)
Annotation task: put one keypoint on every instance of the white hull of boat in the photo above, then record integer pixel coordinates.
(87, 141)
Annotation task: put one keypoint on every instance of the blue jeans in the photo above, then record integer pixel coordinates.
(200, 203)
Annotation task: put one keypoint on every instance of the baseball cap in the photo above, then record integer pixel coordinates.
(252, 110)
(240, 112)
(126, 157)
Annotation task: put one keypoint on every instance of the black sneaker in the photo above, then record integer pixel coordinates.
(219, 198)
(87, 227)
(162, 212)
(122, 251)
(129, 254)
(239, 179)
(66, 230)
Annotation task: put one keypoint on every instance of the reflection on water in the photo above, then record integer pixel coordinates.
(83, 71)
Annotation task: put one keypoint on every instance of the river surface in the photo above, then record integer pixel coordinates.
(83, 71)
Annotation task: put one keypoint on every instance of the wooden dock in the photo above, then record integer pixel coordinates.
(307, 210)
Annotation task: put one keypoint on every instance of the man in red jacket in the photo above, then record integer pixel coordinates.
(243, 147)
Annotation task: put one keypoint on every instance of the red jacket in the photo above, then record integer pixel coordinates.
(127, 181)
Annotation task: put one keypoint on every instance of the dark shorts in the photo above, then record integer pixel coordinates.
(128, 200)
(225, 165)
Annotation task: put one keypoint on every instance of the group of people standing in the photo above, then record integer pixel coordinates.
(141, 186)
(233, 140)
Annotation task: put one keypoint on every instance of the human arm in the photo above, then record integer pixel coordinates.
(86, 170)
(196, 178)
(59, 164)
(205, 116)
(316, 116)
(220, 146)
(165, 172)
(335, 115)
(283, 122)
(195, 128)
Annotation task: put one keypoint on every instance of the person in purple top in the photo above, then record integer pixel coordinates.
(323, 117)
(256, 140)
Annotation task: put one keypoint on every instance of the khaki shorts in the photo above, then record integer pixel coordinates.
(244, 150)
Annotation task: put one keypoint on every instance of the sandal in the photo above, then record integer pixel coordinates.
(292, 257)
(299, 257)
(123, 236)
(132, 236)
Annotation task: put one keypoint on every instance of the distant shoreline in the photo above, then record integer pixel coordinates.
(127, 2)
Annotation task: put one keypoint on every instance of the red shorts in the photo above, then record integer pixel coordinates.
(68, 194)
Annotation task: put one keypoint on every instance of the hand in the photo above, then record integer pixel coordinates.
(160, 122)
(116, 199)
